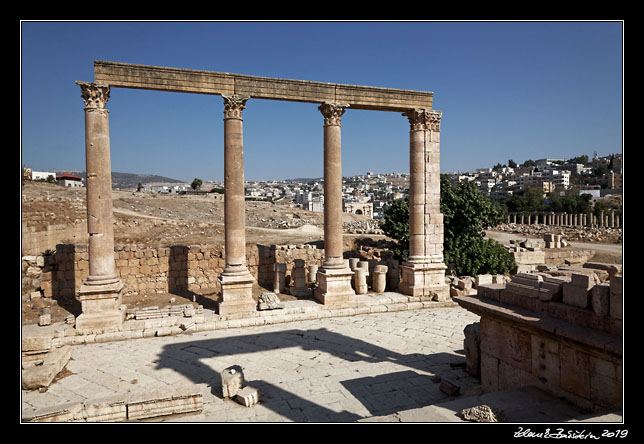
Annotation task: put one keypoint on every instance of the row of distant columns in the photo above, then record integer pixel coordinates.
(423, 274)
(565, 219)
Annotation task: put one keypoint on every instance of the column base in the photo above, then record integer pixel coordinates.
(424, 279)
(101, 306)
(236, 294)
(334, 286)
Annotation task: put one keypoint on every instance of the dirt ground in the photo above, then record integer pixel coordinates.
(164, 220)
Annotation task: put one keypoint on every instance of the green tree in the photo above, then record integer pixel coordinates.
(396, 226)
(512, 163)
(527, 199)
(570, 203)
(196, 183)
(466, 214)
(579, 159)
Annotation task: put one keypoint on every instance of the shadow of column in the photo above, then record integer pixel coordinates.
(380, 395)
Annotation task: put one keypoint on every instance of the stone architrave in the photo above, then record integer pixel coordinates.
(334, 279)
(424, 272)
(100, 294)
(236, 281)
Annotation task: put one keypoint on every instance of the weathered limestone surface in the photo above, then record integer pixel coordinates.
(424, 272)
(127, 75)
(334, 279)
(571, 349)
(100, 295)
(236, 281)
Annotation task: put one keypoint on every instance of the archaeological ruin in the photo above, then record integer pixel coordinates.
(422, 275)
(555, 324)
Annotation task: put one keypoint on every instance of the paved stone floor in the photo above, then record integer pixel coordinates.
(332, 370)
(372, 367)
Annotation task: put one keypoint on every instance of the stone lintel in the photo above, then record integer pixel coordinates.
(126, 75)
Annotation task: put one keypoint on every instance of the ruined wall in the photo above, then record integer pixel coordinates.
(37, 238)
(560, 331)
(156, 270)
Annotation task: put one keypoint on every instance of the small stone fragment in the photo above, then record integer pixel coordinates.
(232, 380)
(268, 301)
(248, 396)
(482, 413)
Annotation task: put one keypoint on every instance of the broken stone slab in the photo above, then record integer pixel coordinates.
(269, 301)
(163, 403)
(248, 396)
(116, 408)
(53, 362)
(482, 413)
(232, 381)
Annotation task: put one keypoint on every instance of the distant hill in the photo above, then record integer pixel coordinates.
(127, 180)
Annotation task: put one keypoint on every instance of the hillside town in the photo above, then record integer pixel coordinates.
(371, 193)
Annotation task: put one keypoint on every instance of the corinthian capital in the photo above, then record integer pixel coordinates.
(421, 119)
(332, 113)
(234, 105)
(94, 95)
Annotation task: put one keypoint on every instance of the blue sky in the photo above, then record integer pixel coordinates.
(507, 90)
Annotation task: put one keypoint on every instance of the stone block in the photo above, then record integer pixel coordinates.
(248, 396)
(482, 279)
(42, 375)
(232, 380)
(472, 347)
(162, 403)
(577, 296)
(490, 291)
(584, 280)
(616, 289)
(600, 299)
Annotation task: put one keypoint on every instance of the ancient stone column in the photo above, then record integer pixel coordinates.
(424, 272)
(236, 281)
(334, 279)
(100, 294)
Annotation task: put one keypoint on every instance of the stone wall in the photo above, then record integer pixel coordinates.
(145, 270)
(560, 331)
(36, 239)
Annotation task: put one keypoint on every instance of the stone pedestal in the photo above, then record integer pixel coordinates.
(424, 279)
(236, 294)
(334, 286)
(101, 308)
